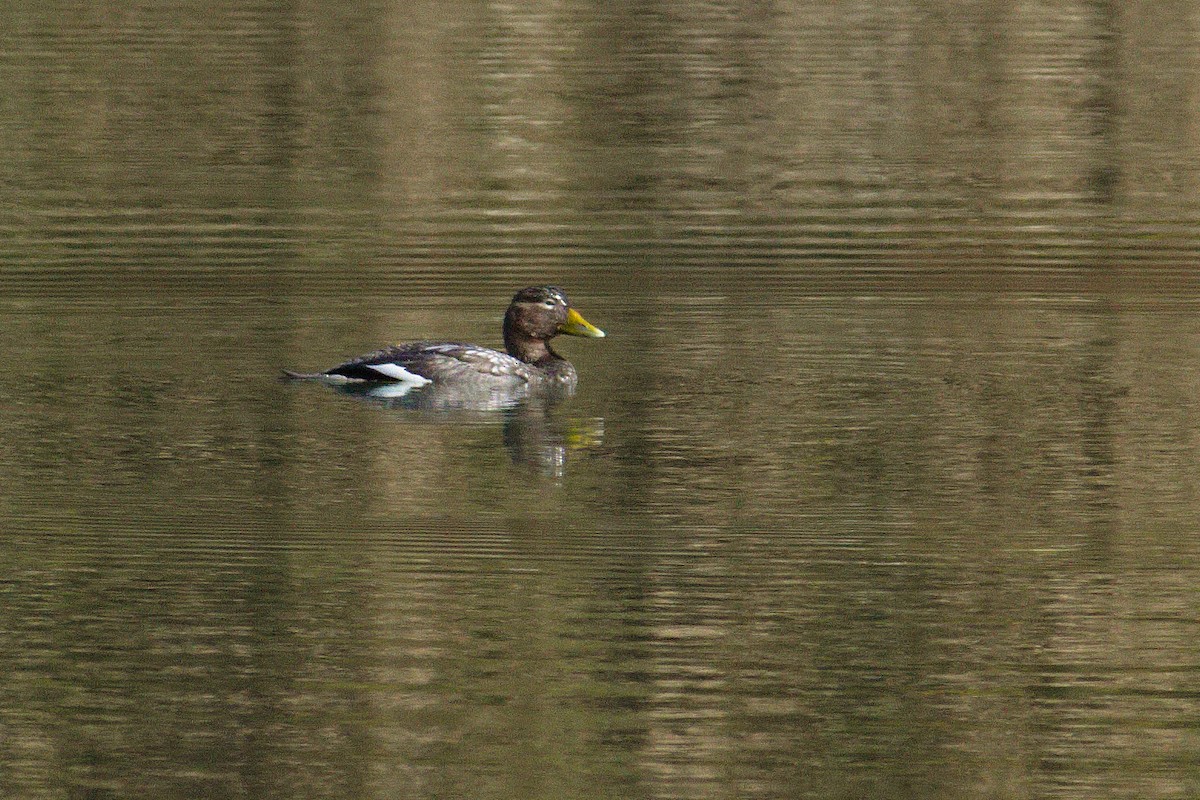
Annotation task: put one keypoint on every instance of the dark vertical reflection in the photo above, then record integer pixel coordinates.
(1103, 104)
(281, 91)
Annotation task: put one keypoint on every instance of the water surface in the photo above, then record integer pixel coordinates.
(883, 483)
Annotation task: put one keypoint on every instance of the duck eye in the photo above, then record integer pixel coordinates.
(548, 303)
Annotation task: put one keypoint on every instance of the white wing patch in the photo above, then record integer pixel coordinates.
(399, 373)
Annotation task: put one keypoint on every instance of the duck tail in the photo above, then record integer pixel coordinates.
(289, 375)
(323, 377)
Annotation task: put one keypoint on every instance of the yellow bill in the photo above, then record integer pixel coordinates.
(576, 325)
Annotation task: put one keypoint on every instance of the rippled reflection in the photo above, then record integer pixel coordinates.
(535, 432)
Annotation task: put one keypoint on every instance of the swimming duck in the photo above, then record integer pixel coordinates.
(535, 316)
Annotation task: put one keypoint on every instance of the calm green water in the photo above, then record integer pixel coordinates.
(883, 484)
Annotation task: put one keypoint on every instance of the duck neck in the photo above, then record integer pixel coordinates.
(531, 351)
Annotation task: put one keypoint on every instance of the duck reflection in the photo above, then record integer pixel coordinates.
(465, 397)
(536, 433)
(538, 439)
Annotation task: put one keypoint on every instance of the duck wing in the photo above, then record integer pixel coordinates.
(439, 362)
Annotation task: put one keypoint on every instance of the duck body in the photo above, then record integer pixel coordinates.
(535, 316)
(450, 362)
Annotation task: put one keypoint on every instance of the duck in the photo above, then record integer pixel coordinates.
(536, 315)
